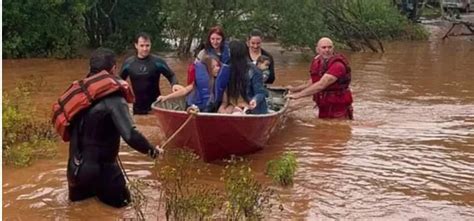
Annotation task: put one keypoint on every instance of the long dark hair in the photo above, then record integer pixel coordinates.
(238, 71)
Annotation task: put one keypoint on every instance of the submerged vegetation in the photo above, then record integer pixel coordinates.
(245, 198)
(282, 170)
(25, 137)
(139, 200)
(40, 28)
(183, 196)
(186, 197)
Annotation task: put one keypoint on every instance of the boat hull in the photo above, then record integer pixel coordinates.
(215, 136)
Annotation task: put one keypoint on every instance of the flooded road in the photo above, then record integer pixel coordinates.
(408, 154)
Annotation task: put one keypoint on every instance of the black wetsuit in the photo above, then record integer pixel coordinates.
(145, 78)
(95, 140)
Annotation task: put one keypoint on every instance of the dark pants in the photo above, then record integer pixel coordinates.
(105, 181)
(141, 109)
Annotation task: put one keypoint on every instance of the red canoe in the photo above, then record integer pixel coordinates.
(215, 136)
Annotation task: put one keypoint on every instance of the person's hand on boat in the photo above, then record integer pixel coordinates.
(291, 88)
(162, 98)
(193, 109)
(246, 110)
(252, 104)
(176, 87)
(237, 110)
(292, 96)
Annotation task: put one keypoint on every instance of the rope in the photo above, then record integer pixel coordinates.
(192, 111)
(123, 169)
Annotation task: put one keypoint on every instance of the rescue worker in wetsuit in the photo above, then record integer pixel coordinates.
(95, 140)
(144, 70)
(329, 83)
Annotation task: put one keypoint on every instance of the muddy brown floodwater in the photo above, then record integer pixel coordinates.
(408, 154)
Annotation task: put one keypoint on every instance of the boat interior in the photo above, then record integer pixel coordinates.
(276, 101)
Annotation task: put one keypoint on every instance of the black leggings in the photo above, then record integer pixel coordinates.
(105, 181)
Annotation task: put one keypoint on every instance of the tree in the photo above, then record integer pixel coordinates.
(42, 28)
(114, 23)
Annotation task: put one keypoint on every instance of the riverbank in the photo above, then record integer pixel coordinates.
(438, 27)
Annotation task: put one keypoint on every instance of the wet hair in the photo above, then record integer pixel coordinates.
(143, 35)
(214, 30)
(102, 59)
(207, 61)
(263, 58)
(238, 67)
(255, 33)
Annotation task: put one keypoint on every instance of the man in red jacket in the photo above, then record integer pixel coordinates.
(330, 77)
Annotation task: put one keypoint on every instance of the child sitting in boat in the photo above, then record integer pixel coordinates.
(207, 90)
(263, 63)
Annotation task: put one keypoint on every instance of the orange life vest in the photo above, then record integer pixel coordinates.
(82, 94)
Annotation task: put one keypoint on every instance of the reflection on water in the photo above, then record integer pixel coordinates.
(409, 153)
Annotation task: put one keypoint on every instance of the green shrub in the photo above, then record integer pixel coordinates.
(282, 170)
(25, 137)
(350, 22)
(184, 197)
(22, 154)
(42, 28)
(187, 198)
(245, 198)
(138, 197)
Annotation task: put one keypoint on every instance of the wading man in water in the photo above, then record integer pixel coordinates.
(95, 140)
(330, 77)
(144, 70)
